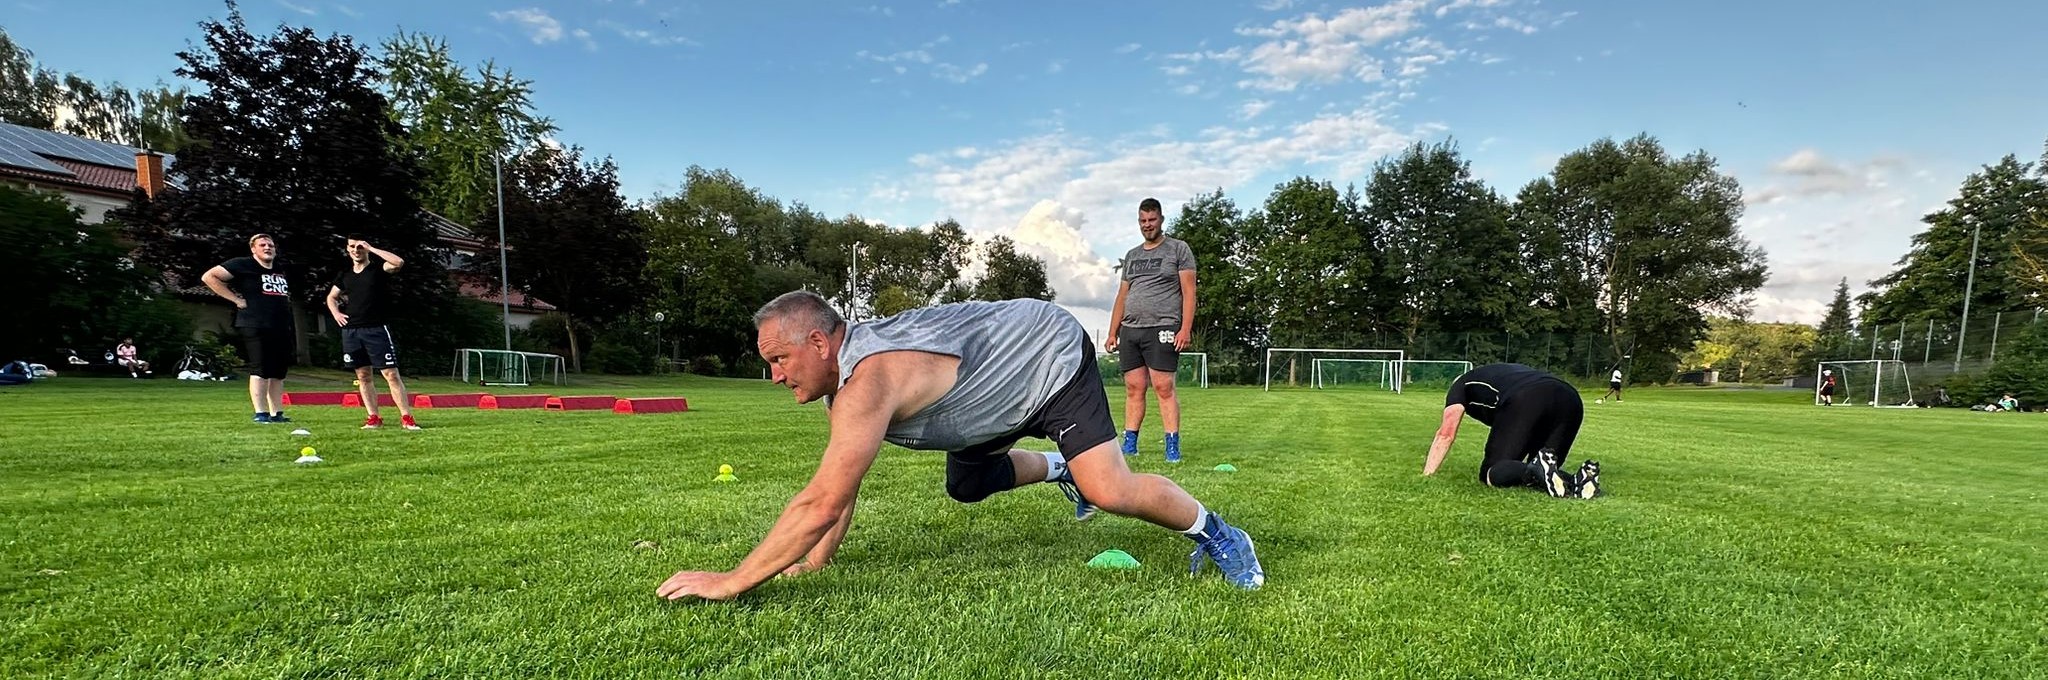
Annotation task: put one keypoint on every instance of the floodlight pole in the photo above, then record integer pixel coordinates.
(504, 279)
(1969, 288)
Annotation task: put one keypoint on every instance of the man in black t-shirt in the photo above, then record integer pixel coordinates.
(262, 297)
(366, 341)
(1534, 417)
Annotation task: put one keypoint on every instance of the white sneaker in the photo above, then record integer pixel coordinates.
(1599, 401)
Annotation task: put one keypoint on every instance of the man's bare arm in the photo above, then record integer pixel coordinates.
(1116, 315)
(334, 305)
(216, 279)
(1446, 434)
(1186, 334)
(391, 260)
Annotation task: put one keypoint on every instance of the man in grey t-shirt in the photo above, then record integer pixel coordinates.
(970, 379)
(1151, 323)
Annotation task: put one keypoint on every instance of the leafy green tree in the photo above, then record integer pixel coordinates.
(574, 242)
(2005, 206)
(29, 93)
(1226, 318)
(1011, 275)
(457, 124)
(1656, 238)
(1449, 248)
(79, 290)
(1303, 272)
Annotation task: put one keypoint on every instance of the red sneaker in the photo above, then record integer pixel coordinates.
(408, 423)
(373, 422)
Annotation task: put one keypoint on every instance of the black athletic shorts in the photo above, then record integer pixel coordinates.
(270, 351)
(1077, 419)
(1147, 347)
(1614, 385)
(1827, 389)
(372, 347)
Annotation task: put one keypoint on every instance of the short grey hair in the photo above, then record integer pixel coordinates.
(803, 311)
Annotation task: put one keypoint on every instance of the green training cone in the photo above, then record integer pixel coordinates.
(725, 474)
(1114, 559)
(1226, 467)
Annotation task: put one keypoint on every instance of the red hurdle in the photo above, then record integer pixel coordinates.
(505, 401)
(651, 405)
(317, 398)
(447, 400)
(580, 403)
(353, 400)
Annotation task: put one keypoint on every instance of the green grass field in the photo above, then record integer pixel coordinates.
(147, 529)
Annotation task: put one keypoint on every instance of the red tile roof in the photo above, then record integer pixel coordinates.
(488, 292)
(86, 177)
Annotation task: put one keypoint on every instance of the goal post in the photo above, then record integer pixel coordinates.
(1871, 382)
(1194, 370)
(508, 368)
(1331, 373)
(1296, 366)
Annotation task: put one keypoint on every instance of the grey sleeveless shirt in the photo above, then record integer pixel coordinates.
(1014, 355)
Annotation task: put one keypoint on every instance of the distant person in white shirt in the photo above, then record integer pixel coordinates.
(1613, 387)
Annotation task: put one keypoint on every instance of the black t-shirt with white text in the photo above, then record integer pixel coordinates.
(265, 290)
(368, 293)
(1484, 390)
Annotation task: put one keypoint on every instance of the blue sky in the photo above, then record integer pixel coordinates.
(1048, 121)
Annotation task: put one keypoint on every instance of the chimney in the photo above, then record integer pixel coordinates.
(149, 172)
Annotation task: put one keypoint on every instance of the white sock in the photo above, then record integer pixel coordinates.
(1055, 465)
(1201, 521)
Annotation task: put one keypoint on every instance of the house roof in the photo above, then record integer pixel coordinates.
(479, 289)
(70, 161)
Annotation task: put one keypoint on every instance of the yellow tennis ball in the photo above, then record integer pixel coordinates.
(306, 451)
(725, 469)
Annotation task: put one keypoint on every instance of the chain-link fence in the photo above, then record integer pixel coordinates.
(1933, 350)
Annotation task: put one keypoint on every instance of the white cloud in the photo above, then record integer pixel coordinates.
(1128, 48)
(1059, 178)
(958, 74)
(1177, 70)
(1056, 66)
(919, 56)
(1456, 5)
(877, 9)
(302, 9)
(646, 37)
(540, 28)
(1274, 5)
(1252, 108)
(1822, 219)
(350, 11)
(583, 35)
(1189, 89)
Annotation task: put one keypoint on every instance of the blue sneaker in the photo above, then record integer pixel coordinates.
(278, 417)
(1173, 447)
(1231, 549)
(1130, 442)
(263, 418)
(1083, 510)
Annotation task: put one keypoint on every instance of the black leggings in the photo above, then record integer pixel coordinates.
(1544, 415)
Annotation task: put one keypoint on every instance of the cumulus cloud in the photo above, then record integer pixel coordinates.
(1823, 219)
(540, 28)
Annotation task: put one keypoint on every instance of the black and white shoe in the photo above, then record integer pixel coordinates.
(1587, 483)
(1550, 476)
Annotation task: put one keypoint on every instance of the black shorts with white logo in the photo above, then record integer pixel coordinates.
(1148, 348)
(368, 347)
(1076, 419)
(270, 351)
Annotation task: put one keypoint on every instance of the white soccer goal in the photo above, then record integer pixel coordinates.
(507, 367)
(1331, 373)
(1873, 382)
(1431, 371)
(1194, 369)
(1296, 366)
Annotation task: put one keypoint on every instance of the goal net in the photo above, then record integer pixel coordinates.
(1876, 382)
(507, 367)
(1318, 367)
(1431, 372)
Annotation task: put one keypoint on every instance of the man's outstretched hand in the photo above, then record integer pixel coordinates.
(709, 585)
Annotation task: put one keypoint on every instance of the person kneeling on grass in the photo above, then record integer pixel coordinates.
(969, 378)
(1534, 416)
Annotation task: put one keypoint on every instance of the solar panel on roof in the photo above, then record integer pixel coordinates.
(18, 149)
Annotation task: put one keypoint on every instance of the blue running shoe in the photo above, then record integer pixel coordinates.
(278, 417)
(1231, 549)
(262, 418)
(1173, 447)
(1083, 510)
(1130, 442)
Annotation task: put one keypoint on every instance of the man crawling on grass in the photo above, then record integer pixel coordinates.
(970, 379)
